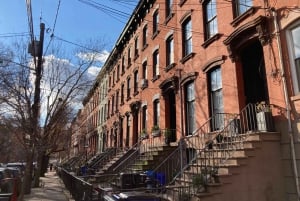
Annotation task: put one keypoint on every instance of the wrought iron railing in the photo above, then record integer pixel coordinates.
(211, 146)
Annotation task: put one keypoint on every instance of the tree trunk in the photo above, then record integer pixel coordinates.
(44, 165)
(26, 185)
(38, 170)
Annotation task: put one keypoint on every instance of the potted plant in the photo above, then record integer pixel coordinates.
(155, 130)
(264, 117)
(144, 134)
(199, 183)
(168, 135)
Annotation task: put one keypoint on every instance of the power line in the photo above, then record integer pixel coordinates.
(107, 10)
(76, 44)
(8, 35)
(54, 25)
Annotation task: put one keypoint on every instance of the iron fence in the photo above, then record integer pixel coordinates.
(79, 189)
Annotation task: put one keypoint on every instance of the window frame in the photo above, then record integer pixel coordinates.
(215, 89)
(155, 23)
(294, 58)
(237, 7)
(136, 82)
(122, 93)
(156, 112)
(187, 36)
(155, 64)
(170, 57)
(128, 88)
(144, 117)
(210, 19)
(190, 103)
(145, 35)
(169, 4)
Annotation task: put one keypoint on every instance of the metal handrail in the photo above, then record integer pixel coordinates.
(230, 137)
(135, 148)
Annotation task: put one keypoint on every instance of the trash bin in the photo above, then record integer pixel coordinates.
(161, 178)
(83, 170)
(151, 174)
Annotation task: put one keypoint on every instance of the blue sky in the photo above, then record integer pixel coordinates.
(76, 21)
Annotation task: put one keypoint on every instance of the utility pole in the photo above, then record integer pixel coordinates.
(36, 50)
(38, 71)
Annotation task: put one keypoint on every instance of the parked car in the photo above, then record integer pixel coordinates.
(9, 185)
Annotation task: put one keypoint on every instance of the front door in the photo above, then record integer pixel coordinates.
(254, 73)
(170, 101)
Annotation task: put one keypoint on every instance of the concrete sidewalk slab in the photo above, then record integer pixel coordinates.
(52, 189)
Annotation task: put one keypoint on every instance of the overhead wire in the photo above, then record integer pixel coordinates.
(107, 10)
(53, 28)
(8, 35)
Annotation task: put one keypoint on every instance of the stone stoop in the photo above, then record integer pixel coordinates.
(231, 169)
(151, 158)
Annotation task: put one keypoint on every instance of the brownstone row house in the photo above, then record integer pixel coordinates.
(181, 63)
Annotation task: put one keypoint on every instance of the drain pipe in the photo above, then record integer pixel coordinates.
(287, 103)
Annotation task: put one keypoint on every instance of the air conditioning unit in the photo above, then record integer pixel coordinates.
(144, 83)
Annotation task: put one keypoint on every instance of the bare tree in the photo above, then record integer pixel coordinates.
(63, 84)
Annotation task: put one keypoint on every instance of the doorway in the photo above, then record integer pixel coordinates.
(170, 107)
(254, 73)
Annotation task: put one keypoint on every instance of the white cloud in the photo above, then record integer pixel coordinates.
(93, 71)
(100, 57)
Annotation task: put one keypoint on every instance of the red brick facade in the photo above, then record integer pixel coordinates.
(177, 67)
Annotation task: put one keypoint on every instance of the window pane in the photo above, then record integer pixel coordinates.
(171, 50)
(190, 107)
(187, 37)
(296, 41)
(243, 6)
(190, 92)
(216, 79)
(211, 10)
(188, 29)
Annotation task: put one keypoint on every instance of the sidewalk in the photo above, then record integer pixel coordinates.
(52, 189)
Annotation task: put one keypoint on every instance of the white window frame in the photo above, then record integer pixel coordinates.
(295, 78)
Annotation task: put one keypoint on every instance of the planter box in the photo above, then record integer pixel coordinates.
(156, 133)
(265, 121)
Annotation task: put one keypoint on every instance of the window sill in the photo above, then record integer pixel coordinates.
(156, 77)
(155, 34)
(136, 56)
(187, 57)
(168, 18)
(211, 40)
(243, 16)
(135, 93)
(144, 87)
(170, 66)
(181, 2)
(144, 47)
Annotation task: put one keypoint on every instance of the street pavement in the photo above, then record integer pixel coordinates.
(52, 189)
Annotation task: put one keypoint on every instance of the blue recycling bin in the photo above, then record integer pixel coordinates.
(161, 178)
(83, 170)
(151, 174)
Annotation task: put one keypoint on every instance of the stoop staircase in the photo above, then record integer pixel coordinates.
(150, 158)
(232, 162)
(220, 176)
